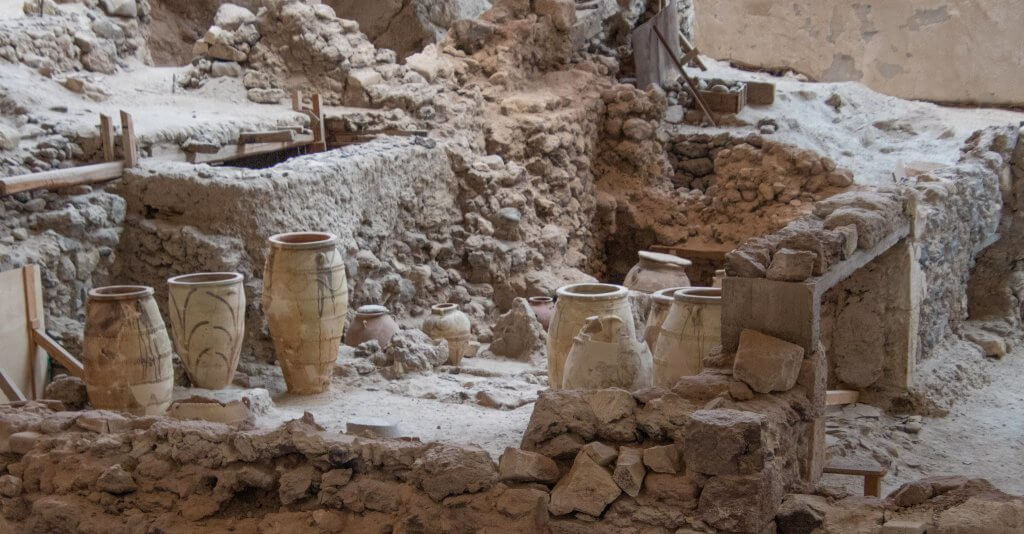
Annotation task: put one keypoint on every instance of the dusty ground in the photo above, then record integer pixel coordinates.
(982, 437)
(869, 133)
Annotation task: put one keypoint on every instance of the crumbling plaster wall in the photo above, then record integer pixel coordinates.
(964, 51)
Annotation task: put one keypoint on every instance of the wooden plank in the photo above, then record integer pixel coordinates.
(87, 174)
(854, 466)
(9, 388)
(59, 353)
(836, 397)
(129, 143)
(202, 148)
(17, 353)
(33, 288)
(684, 43)
(319, 133)
(231, 152)
(276, 136)
(107, 137)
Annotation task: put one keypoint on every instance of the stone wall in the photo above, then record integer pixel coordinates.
(937, 50)
(391, 202)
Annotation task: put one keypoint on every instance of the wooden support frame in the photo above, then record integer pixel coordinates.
(689, 82)
(129, 144)
(107, 136)
(871, 471)
(318, 126)
(276, 136)
(24, 366)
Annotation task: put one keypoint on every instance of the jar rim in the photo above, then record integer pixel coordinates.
(122, 292)
(699, 295)
(302, 240)
(592, 291)
(205, 279)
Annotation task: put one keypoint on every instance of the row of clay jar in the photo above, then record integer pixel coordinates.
(127, 353)
(592, 341)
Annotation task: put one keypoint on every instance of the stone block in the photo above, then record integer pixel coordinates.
(872, 226)
(992, 344)
(115, 481)
(22, 442)
(741, 503)
(754, 304)
(587, 488)
(629, 470)
(601, 453)
(899, 526)
(767, 363)
(801, 514)
(230, 16)
(791, 265)
(701, 387)
(562, 12)
(517, 465)
(611, 404)
(680, 491)
(663, 459)
(745, 264)
(725, 442)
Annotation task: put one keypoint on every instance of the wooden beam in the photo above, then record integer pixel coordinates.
(87, 174)
(319, 133)
(836, 397)
(9, 388)
(231, 152)
(107, 136)
(129, 144)
(276, 136)
(685, 43)
(34, 313)
(686, 77)
(59, 353)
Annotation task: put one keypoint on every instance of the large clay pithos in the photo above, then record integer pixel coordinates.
(126, 351)
(371, 322)
(207, 312)
(661, 301)
(447, 322)
(605, 355)
(543, 308)
(575, 304)
(693, 326)
(655, 271)
(305, 298)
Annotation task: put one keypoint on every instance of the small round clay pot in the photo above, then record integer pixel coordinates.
(126, 351)
(447, 322)
(207, 312)
(656, 271)
(371, 322)
(543, 308)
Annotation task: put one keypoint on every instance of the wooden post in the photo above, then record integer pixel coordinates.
(689, 82)
(30, 280)
(296, 100)
(128, 142)
(9, 388)
(107, 136)
(872, 485)
(319, 132)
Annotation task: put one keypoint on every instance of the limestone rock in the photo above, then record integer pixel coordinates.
(519, 502)
(663, 459)
(733, 503)
(413, 351)
(358, 84)
(10, 486)
(336, 478)
(679, 491)
(230, 16)
(991, 344)
(22, 442)
(562, 12)
(587, 488)
(294, 483)
(115, 480)
(559, 413)
(629, 470)
(791, 265)
(767, 363)
(231, 69)
(872, 226)
(725, 442)
(701, 387)
(518, 334)
(801, 514)
(745, 264)
(517, 465)
(120, 8)
(601, 453)
(266, 96)
(9, 138)
(68, 389)
(444, 470)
